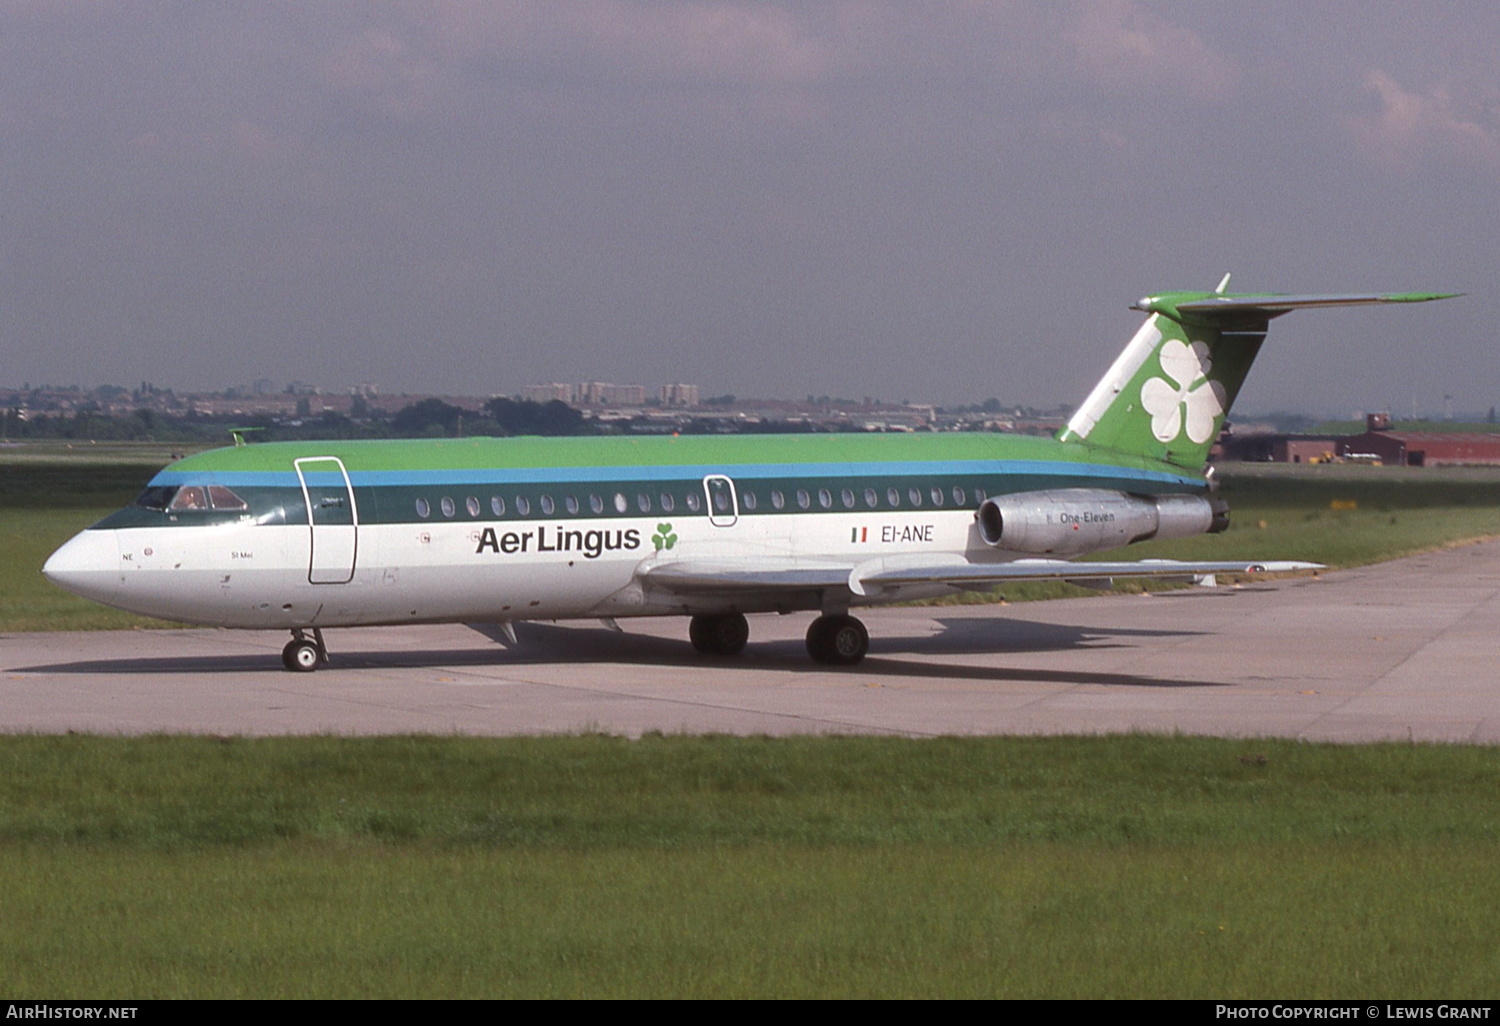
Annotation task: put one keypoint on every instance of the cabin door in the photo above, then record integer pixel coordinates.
(723, 504)
(331, 517)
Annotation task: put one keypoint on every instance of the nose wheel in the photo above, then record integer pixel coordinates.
(303, 654)
(837, 640)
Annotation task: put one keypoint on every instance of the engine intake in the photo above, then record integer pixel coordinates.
(1069, 521)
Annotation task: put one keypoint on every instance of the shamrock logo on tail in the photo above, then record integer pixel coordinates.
(1188, 399)
(663, 538)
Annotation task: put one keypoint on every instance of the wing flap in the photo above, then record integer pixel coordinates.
(745, 578)
(1062, 570)
(738, 578)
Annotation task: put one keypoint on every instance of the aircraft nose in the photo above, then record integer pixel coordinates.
(88, 565)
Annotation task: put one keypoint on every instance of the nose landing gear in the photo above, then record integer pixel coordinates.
(303, 654)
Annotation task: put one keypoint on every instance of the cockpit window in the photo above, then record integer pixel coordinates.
(223, 498)
(189, 497)
(158, 497)
(175, 499)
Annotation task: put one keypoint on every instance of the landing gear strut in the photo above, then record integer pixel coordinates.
(303, 654)
(722, 635)
(837, 640)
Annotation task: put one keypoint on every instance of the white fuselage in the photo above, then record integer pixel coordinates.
(297, 575)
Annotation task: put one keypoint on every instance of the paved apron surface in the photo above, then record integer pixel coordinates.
(1402, 650)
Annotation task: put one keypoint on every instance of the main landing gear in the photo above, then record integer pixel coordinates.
(836, 640)
(303, 654)
(722, 635)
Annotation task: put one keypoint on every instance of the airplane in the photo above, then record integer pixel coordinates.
(306, 536)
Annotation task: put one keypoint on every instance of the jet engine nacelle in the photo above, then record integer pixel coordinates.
(1069, 521)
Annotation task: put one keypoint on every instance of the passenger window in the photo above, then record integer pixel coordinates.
(871, 499)
(620, 504)
(643, 502)
(777, 499)
(223, 498)
(893, 497)
(979, 495)
(547, 505)
(958, 496)
(472, 505)
(667, 504)
(497, 505)
(424, 509)
(803, 499)
(596, 504)
(191, 498)
(571, 504)
(447, 505)
(694, 503)
(748, 500)
(523, 505)
(937, 496)
(825, 498)
(848, 497)
(915, 496)
(721, 501)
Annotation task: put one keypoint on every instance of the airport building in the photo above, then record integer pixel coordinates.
(1420, 448)
(1381, 443)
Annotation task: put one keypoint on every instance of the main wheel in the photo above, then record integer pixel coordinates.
(722, 635)
(301, 656)
(837, 640)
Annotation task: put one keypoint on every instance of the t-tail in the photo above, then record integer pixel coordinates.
(1167, 394)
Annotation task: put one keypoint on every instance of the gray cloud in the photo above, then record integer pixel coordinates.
(934, 200)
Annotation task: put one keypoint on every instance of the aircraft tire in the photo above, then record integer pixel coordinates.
(837, 640)
(723, 635)
(301, 656)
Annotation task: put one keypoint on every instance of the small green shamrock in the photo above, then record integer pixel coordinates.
(663, 538)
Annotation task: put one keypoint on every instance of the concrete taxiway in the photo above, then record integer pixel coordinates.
(1404, 650)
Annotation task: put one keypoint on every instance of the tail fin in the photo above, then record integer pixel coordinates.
(1167, 394)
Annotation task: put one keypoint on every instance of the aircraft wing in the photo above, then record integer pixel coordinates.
(747, 577)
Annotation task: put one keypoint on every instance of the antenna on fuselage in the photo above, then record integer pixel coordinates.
(238, 434)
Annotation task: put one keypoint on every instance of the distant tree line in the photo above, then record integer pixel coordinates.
(429, 418)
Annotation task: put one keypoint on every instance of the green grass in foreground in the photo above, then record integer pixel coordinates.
(717, 866)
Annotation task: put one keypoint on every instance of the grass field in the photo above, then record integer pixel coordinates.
(48, 493)
(716, 866)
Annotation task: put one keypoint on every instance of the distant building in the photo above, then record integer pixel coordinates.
(604, 393)
(1420, 448)
(679, 395)
(547, 393)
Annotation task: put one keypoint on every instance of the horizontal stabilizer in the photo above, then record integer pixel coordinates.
(1211, 306)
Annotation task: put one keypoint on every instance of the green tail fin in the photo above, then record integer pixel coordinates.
(1167, 394)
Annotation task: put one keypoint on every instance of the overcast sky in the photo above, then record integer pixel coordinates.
(937, 201)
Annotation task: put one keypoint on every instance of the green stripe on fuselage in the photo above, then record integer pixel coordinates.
(728, 452)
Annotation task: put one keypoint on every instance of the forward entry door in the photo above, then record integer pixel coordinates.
(331, 517)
